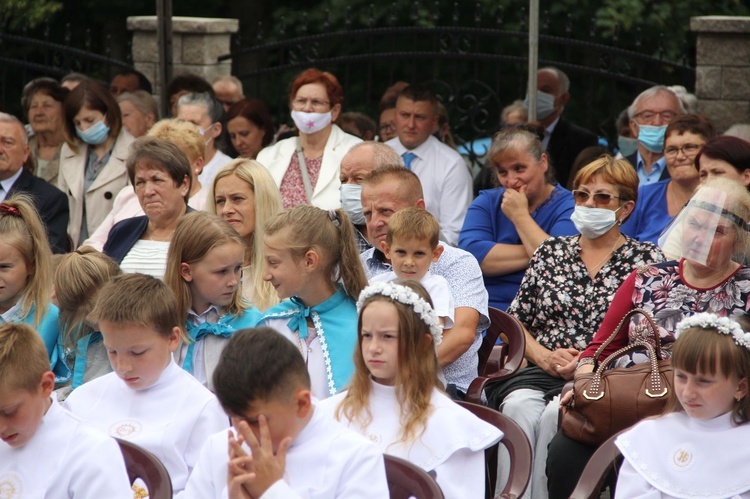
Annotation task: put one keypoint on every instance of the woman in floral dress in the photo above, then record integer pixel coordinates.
(564, 295)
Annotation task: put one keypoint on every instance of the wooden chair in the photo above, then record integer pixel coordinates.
(518, 447)
(498, 362)
(592, 479)
(142, 464)
(406, 480)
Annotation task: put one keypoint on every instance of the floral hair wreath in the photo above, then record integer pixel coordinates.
(405, 296)
(724, 325)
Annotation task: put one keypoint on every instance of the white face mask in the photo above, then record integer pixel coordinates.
(311, 122)
(351, 202)
(593, 222)
(545, 104)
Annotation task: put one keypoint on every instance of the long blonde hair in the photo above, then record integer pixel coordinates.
(267, 204)
(331, 234)
(416, 376)
(21, 227)
(196, 234)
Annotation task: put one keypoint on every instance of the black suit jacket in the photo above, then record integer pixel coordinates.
(633, 160)
(566, 142)
(52, 205)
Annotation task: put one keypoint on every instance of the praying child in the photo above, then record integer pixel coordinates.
(46, 451)
(281, 446)
(411, 244)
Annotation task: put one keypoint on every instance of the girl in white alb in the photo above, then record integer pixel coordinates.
(394, 397)
(148, 399)
(699, 450)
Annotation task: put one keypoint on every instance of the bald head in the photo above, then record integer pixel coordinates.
(365, 157)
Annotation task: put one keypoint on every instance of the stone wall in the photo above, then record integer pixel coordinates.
(197, 42)
(723, 69)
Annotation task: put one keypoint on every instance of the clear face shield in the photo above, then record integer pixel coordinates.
(705, 233)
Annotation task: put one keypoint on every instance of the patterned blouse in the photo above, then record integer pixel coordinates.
(292, 187)
(559, 303)
(662, 291)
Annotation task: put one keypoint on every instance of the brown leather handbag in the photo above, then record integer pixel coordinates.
(607, 401)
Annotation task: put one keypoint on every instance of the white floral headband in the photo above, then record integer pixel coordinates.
(724, 325)
(405, 296)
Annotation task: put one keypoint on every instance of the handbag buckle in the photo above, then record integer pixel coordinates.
(591, 397)
(657, 395)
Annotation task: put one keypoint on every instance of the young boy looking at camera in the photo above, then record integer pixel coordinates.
(280, 447)
(46, 451)
(412, 244)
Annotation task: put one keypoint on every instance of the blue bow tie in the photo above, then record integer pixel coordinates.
(197, 333)
(298, 322)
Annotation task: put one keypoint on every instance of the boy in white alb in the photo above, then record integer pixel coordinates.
(281, 447)
(412, 244)
(46, 451)
(147, 399)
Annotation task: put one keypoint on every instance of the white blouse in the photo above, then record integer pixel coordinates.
(146, 257)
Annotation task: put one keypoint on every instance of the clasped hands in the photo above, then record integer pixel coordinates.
(250, 476)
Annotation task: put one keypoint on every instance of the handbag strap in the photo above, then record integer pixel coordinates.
(625, 321)
(305, 174)
(655, 387)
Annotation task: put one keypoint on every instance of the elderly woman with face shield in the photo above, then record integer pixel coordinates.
(504, 226)
(563, 297)
(306, 168)
(708, 276)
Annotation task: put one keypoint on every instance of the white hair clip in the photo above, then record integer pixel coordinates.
(724, 325)
(405, 296)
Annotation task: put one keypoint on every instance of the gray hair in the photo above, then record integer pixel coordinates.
(142, 101)
(515, 107)
(213, 106)
(561, 77)
(9, 118)
(382, 155)
(229, 79)
(519, 138)
(653, 92)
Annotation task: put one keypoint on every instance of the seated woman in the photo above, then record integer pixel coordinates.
(43, 105)
(139, 112)
(160, 174)
(714, 238)
(250, 127)
(244, 194)
(504, 226)
(660, 202)
(306, 168)
(725, 157)
(564, 296)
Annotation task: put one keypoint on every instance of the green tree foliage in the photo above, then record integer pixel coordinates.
(30, 13)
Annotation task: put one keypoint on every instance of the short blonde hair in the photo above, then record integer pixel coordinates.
(23, 357)
(617, 172)
(181, 133)
(138, 299)
(413, 223)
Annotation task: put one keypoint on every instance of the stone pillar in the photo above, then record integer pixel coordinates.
(197, 42)
(722, 82)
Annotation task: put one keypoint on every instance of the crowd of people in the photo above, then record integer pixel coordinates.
(269, 310)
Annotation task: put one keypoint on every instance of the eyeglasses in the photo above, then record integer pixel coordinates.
(317, 104)
(687, 150)
(651, 115)
(599, 197)
(387, 127)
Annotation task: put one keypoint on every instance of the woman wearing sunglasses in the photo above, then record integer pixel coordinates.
(564, 295)
(659, 203)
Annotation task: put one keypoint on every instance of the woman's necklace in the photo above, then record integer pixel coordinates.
(165, 237)
(594, 270)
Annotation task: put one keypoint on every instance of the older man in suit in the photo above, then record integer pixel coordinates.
(50, 202)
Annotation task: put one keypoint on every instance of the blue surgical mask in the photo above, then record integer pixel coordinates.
(95, 134)
(626, 145)
(593, 222)
(652, 137)
(351, 202)
(545, 104)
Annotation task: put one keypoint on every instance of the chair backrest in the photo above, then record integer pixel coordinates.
(518, 447)
(590, 484)
(498, 362)
(140, 463)
(406, 480)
